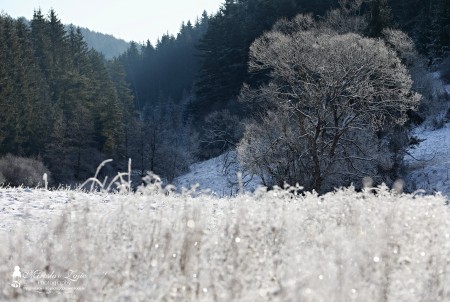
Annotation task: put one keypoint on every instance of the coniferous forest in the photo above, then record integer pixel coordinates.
(167, 105)
(61, 102)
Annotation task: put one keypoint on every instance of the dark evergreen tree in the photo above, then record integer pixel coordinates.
(9, 113)
(379, 17)
(33, 97)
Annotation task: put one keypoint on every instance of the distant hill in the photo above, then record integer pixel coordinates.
(107, 44)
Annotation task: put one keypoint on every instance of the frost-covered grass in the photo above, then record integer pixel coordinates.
(150, 246)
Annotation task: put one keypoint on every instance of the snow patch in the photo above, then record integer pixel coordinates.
(219, 175)
(429, 162)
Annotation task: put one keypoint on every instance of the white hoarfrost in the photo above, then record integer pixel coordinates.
(268, 246)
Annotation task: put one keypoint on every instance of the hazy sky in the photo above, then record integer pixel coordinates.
(136, 20)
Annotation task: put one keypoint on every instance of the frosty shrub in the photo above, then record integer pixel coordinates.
(329, 96)
(20, 171)
(151, 245)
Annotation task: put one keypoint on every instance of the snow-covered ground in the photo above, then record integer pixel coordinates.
(219, 175)
(429, 162)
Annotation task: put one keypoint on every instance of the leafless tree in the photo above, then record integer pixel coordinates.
(329, 93)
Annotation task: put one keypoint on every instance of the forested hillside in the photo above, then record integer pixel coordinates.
(60, 101)
(66, 105)
(427, 22)
(164, 73)
(108, 45)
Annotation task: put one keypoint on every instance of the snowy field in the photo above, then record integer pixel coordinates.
(150, 246)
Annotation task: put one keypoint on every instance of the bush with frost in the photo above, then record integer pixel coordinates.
(20, 171)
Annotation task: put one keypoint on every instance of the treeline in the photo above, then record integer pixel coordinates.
(68, 106)
(108, 45)
(59, 100)
(165, 73)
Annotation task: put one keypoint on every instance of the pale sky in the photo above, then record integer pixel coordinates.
(136, 20)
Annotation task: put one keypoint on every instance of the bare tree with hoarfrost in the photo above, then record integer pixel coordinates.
(328, 95)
